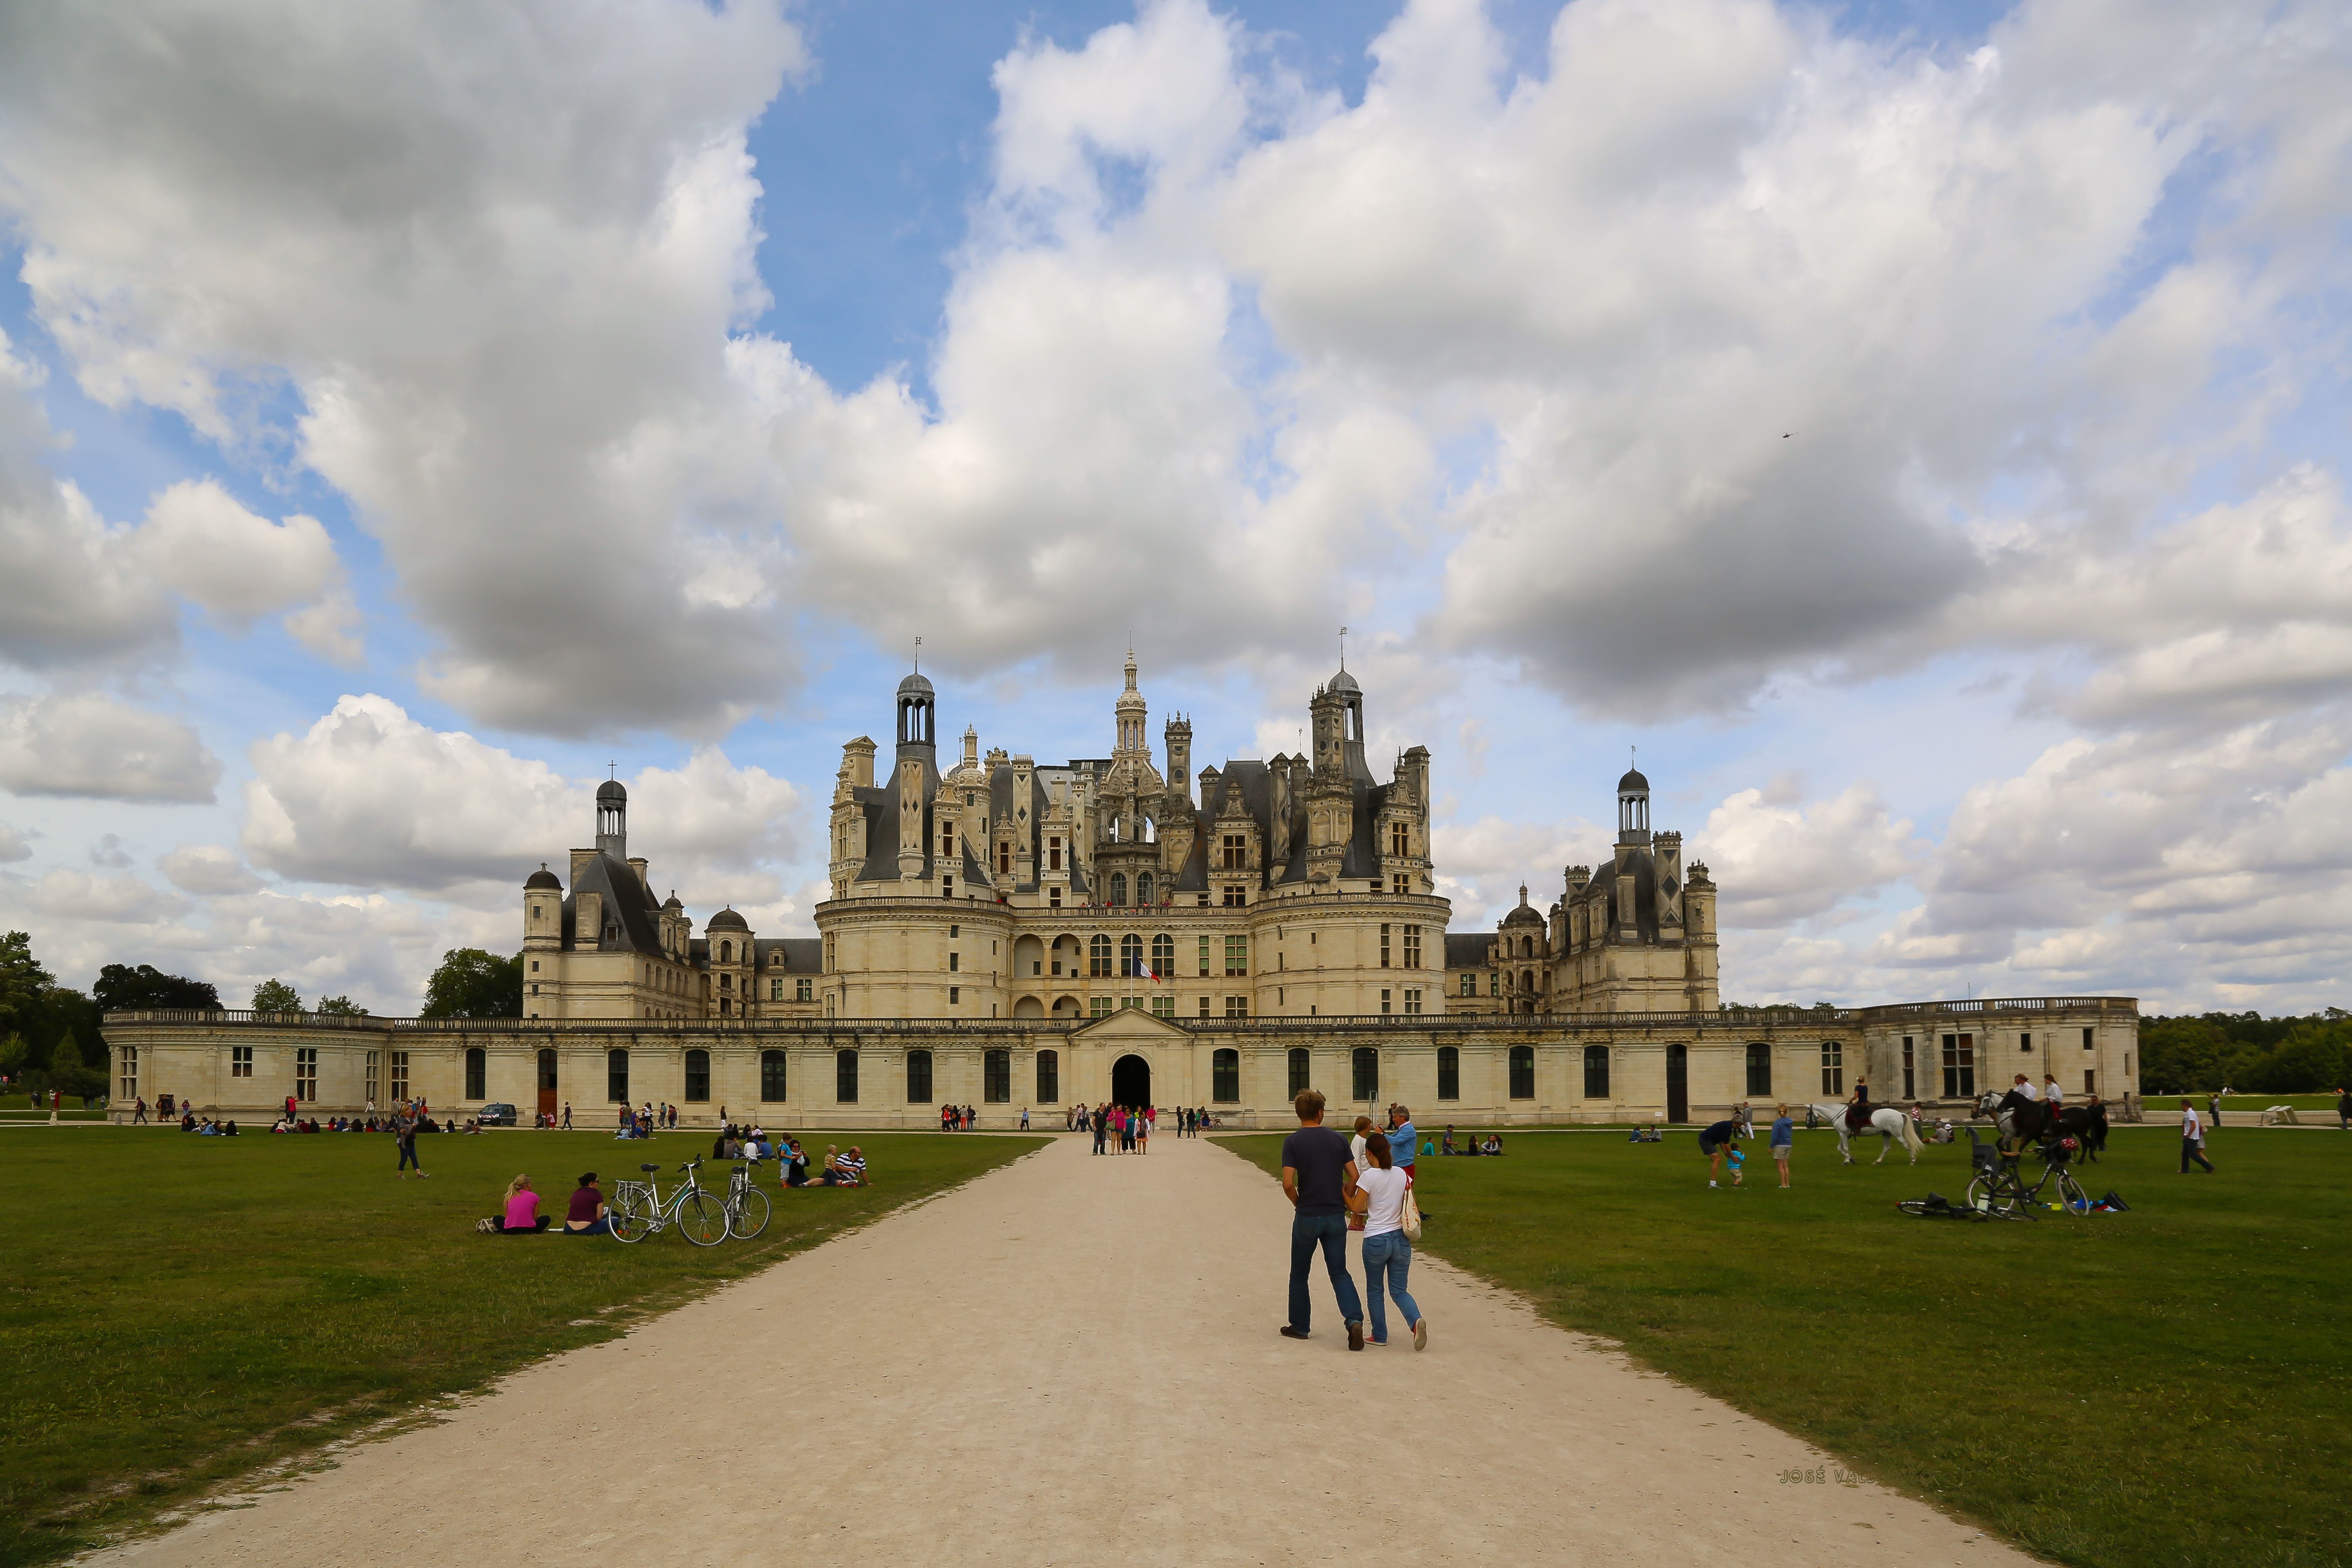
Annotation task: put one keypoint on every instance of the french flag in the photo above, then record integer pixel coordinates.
(1142, 971)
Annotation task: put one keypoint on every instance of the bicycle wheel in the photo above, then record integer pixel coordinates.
(1981, 1196)
(703, 1218)
(749, 1218)
(632, 1215)
(2071, 1195)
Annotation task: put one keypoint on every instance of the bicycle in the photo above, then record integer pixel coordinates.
(746, 1204)
(1999, 1188)
(638, 1210)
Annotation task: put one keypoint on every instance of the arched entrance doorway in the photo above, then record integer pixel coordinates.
(547, 1083)
(1130, 1081)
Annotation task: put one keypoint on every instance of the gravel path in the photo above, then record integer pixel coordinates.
(1073, 1360)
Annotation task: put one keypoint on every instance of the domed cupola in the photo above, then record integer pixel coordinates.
(1633, 808)
(544, 880)
(917, 716)
(613, 819)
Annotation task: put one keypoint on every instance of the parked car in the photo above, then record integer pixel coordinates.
(498, 1116)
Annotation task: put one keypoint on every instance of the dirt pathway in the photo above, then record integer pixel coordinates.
(1073, 1360)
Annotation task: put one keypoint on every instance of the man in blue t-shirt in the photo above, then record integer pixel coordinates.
(1317, 1176)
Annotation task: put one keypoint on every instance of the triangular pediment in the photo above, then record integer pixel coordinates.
(1129, 1024)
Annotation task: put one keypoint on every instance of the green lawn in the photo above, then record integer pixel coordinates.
(173, 1306)
(2162, 1387)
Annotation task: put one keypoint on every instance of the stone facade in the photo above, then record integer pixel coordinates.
(1007, 934)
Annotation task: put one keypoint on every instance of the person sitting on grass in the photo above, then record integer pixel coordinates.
(587, 1215)
(796, 1163)
(523, 1217)
(1493, 1145)
(829, 1174)
(853, 1167)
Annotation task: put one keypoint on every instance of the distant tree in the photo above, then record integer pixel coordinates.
(341, 1007)
(14, 1054)
(275, 996)
(471, 983)
(70, 1073)
(22, 982)
(121, 988)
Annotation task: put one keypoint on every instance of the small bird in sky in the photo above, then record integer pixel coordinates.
(1786, 434)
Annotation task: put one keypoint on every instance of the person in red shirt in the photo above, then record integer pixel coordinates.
(587, 1215)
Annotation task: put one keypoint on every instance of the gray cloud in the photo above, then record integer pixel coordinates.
(87, 744)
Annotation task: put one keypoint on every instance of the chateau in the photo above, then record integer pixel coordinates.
(1009, 934)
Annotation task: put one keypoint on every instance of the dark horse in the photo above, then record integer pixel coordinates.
(2031, 1120)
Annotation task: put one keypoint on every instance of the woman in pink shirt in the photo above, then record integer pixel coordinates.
(523, 1217)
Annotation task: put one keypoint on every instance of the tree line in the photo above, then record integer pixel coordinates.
(49, 1036)
(2200, 1052)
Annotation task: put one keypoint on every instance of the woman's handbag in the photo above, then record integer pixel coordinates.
(1409, 1215)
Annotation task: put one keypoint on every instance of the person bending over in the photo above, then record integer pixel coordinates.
(1714, 1142)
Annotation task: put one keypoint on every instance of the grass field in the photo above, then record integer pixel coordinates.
(177, 1310)
(2167, 1386)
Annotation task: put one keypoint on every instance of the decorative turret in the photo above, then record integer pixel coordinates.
(613, 819)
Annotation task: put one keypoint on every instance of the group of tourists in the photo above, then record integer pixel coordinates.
(1128, 1126)
(584, 1214)
(1491, 1144)
(961, 1118)
(1335, 1184)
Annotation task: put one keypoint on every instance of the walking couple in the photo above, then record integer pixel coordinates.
(1326, 1185)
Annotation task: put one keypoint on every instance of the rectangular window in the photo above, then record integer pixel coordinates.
(1049, 1078)
(776, 988)
(1469, 986)
(1236, 955)
(1236, 1007)
(955, 995)
(1449, 1073)
(918, 1078)
(955, 963)
(1367, 1073)
(240, 1061)
(805, 991)
(1495, 984)
(1098, 1008)
(1053, 898)
(1398, 886)
(1959, 1067)
(1596, 1072)
(2086, 1040)
(2090, 1081)
(947, 887)
(1204, 1006)
(1759, 1071)
(1134, 1002)
(1225, 1077)
(996, 1077)
(1052, 853)
(1004, 858)
(947, 839)
(616, 1076)
(1204, 955)
(2025, 1042)
(1910, 1072)
(1523, 1072)
(1384, 999)
(1301, 1070)
(1163, 1006)
(1412, 947)
(1833, 1068)
(772, 1076)
(371, 1066)
(1412, 998)
(844, 1077)
(130, 1090)
(697, 1076)
(1384, 947)
(399, 1073)
(306, 1072)
(1237, 853)
(1400, 840)
(1236, 897)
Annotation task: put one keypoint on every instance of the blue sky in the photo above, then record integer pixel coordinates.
(652, 404)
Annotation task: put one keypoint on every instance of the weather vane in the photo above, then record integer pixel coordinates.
(919, 656)
(1343, 648)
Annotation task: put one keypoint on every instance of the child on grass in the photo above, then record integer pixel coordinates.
(1738, 1163)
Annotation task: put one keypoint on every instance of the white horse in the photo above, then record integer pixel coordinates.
(1886, 1121)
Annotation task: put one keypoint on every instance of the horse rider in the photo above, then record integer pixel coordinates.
(1857, 1109)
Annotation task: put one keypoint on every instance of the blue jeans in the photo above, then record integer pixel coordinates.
(1329, 1231)
(1387, 1257)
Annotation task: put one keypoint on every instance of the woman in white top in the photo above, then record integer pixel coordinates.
(1378, 1197)
(1356, 1153)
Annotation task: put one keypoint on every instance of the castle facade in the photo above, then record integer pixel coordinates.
(1006, 932)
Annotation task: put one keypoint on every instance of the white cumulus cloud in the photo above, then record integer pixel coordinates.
(86, 744)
